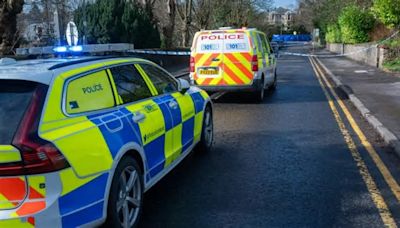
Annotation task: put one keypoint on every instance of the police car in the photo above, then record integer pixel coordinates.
(230, 59)
(82, 139)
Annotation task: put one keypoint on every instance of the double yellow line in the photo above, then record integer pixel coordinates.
(376, 195)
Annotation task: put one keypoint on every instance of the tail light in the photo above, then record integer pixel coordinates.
(254, 63)
(192, 62)
(38, 155)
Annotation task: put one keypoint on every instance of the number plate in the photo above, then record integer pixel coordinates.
(209, 71)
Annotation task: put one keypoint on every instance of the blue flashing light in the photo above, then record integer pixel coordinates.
(76, 48)
(60, 49)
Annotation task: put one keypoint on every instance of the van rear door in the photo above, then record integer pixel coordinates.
(237, 59)
(209, 58)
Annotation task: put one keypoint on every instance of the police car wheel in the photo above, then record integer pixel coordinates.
(126, 195)
(207, 134)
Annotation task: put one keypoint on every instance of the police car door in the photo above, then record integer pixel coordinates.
(175, 106)
(143, 114)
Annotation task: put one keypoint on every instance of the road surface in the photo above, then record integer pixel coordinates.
(286, 162)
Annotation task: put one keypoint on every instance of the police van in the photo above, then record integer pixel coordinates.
(233, 60)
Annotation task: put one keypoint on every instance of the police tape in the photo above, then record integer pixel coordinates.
(154, 52)
(340, 55)
(297, 44)
(330, 55)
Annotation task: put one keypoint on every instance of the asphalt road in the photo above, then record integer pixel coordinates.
(281, 163)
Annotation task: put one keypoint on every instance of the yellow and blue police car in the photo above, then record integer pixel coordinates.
(82, 139)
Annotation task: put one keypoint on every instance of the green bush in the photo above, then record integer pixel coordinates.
(333, 34)
(392, 65)
(387, 11)
(355, 24)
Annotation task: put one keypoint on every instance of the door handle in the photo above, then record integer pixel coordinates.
(173, 105)
(215, 59)
(138, 117)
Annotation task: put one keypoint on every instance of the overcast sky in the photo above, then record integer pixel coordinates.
(285, 3)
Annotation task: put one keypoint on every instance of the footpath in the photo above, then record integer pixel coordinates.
(375, 93)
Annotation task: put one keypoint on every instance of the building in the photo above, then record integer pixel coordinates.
(284, 19)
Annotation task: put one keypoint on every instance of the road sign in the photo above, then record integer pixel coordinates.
(72, 34)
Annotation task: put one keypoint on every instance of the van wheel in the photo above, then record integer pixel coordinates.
(126, 195)
(273, 86)
(259, 94)
(207, 133)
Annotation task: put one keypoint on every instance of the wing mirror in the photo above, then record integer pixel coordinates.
(183, 85)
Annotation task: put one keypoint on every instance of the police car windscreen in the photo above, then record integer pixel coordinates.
(222, 42)
(15, 97)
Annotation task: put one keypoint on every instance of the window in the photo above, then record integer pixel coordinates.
(15, 97)
(89, 93)
(259, 43)
(266, 43)
(263, 43)
(130, 84)
(163, 82)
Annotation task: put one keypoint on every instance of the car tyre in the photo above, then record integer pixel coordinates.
(259, 94)
(126, 195)
(275, 83)
(207, 133)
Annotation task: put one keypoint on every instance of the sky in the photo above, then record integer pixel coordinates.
(285, 3)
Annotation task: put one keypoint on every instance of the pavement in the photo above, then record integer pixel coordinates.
(374, 92)
(280, 163)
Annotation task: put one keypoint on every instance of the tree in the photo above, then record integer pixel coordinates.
(8, 24)
(117, 21)
(355, 24)
(165, 14)
(333, 33)
(388, 12)
(185, 9)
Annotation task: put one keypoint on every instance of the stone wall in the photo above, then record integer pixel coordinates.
(366, 53)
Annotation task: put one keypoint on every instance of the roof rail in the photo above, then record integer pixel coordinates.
(224, 28)
(78, 61)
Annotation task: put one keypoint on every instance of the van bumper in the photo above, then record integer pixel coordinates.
(255, 86)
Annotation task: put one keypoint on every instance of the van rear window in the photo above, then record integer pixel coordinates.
(222, 42)
(15, 97)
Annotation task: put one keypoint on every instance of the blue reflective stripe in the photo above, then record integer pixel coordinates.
(84, 195)
(84, 216)
(198, 101)
(168, 112)
(176, 115)
(187, 133)
(116, 127)
(154, 152)
(167, 116)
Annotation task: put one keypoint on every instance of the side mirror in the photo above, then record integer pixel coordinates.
(183, 85)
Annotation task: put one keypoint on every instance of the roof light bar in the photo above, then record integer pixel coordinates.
(60, 49)
(76, 48)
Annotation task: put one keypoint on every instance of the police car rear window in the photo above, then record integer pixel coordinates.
(222, 42)
(15, 97)
(91, 92)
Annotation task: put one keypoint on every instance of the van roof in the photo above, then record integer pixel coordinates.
(227, 29)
